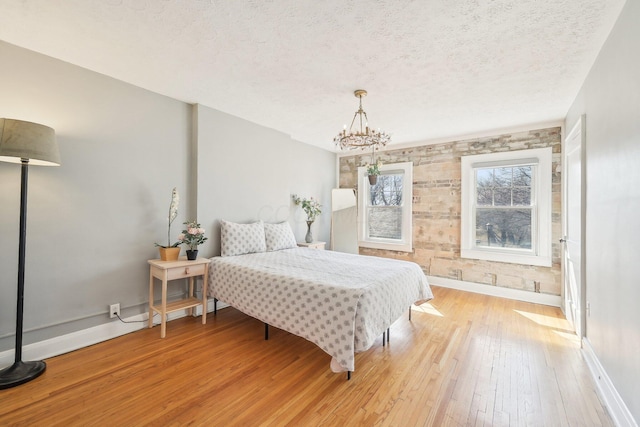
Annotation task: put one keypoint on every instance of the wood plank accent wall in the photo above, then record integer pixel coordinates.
(437, 206)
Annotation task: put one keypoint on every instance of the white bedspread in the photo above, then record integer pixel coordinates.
(341, 302)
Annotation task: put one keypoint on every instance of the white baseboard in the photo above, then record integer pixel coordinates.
(65, 343)
(496, 291)
(606, 390)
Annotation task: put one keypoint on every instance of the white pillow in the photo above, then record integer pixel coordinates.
(240, 239)
(279, 236)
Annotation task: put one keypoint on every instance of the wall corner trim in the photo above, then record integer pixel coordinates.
(606, 390)
(496, 291)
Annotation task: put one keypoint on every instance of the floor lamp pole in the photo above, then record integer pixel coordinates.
(21, 372)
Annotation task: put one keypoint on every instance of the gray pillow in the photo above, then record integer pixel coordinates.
(240, 239)
(279, 236)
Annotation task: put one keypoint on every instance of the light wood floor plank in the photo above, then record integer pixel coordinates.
(463, 360)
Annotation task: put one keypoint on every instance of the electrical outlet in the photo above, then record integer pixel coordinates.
(114, 310)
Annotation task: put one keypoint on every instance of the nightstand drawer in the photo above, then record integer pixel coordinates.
(186, 271)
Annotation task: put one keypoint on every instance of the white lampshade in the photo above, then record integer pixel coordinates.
(31, 141)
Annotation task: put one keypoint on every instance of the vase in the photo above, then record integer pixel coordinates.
(373, 179)
(192, 254)
(169, 254)
(309, 237)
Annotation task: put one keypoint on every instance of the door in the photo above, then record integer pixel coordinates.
(573, 227)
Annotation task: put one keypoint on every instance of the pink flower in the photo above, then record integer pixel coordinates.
(192, 231)
(181, 237)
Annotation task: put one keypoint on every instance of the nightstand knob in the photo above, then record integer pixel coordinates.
(186, 270)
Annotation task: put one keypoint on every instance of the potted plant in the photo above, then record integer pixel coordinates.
(312, 208)
(373, 170)
(192, 236)
(170, 252)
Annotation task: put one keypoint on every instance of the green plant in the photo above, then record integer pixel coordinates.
(173, 213)
(193, 235)
(373, 168)
(311, 206)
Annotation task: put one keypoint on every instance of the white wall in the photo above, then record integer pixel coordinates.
(610, 98)
(251, 175)
(92, 222)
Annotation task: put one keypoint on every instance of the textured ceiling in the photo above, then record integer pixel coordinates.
(433, 68)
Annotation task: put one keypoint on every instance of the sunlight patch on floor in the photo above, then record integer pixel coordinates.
(569, 336)
(549, 321)
(426, 308)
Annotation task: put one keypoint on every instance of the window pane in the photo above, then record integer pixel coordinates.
(485, 196)
(502, 197)
(508, 186)
(385, 210)
(385, 222)
(484, 177)
(503, 177)
(387, 191)
(522, 196)
(508, 228)
(522, 176)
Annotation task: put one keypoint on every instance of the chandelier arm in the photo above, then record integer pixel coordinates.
(353, 121)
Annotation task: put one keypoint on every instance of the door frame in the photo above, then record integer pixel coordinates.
(578, 132)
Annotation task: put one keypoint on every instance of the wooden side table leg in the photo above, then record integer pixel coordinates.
(191, 312)
(163, 308)
(204, 294)
(150, 300)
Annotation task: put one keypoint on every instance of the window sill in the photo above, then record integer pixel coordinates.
(400, 247)
(511, 258)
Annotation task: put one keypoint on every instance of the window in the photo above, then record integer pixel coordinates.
(384, 211)
(506, 207)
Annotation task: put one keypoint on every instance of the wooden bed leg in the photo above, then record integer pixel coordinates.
(388, 335)
(266, 331)
(409, 313)
(348, 375)
(215, 306)
(383, 338)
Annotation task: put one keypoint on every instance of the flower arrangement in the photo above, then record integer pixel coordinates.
(173, 213)
(311, 207)
(192, 236)
(373, 168)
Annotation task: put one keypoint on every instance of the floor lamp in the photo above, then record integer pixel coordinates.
(26, 143)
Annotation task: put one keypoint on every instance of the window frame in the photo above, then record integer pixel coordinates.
(405, 244)
(540, 253)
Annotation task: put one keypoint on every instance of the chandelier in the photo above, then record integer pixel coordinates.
(359, 134)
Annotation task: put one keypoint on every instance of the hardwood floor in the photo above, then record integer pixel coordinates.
(463, 359)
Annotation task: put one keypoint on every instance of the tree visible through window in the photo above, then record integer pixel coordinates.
(504, 209)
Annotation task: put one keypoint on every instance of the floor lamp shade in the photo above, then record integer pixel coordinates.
(25, 143)
(25, 140)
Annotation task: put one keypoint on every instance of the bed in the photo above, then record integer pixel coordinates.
(341, 302)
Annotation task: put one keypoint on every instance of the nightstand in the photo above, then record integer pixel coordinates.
(173, 270)
(312, 245)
